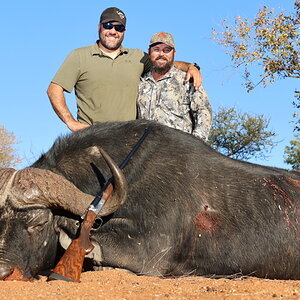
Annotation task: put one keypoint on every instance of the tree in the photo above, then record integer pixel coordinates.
(269, 41)
(297, 106)
(8, 156)
(240, 136)
(292, 152)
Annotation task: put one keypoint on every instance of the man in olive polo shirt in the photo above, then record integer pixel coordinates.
(105, 77)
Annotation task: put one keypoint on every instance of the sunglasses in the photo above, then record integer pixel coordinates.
(108, 26)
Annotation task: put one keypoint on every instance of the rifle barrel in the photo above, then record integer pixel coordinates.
(134, 149)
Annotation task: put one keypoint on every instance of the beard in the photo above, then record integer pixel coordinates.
(160, 68)
(110, 44)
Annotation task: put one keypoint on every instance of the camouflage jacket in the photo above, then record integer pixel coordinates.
(173, 102)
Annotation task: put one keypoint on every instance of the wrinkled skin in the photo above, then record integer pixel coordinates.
(28, 240)
(189, 210)
(35, 250)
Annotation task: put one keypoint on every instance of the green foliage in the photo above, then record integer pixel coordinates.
(270, 41)
(8, 156)
(292, 153)
(240, 136)
(297, 106)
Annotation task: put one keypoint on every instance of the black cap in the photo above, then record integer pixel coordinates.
(113, 14)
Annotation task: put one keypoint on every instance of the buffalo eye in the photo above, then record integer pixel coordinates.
(37, 227)
(37, 220)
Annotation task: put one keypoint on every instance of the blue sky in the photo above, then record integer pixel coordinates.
(36, 36)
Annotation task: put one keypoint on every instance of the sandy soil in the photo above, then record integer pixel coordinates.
(120, 285)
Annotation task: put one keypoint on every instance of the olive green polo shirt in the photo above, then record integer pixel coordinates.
(105, 88)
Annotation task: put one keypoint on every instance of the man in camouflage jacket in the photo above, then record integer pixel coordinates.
(166, 97)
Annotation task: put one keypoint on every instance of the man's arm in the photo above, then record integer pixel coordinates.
(202, 112)
(57, 98)
(192, 72)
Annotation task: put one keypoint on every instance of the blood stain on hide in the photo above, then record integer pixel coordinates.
(206, 221)
(281, 192)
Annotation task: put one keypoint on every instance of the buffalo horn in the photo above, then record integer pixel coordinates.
(120, 187)
(34, 186)
(6, 178)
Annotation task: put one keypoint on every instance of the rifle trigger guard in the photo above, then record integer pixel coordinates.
(97, 223)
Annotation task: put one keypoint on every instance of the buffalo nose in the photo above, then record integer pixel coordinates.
(5, 271)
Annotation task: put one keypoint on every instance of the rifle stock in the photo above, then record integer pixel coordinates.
(70, 265)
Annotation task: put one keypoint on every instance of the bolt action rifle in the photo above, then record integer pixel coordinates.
(70, 265)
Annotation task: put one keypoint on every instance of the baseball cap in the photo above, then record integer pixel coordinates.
(162, 37)
(113, 14)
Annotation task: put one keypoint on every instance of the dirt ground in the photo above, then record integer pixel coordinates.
(116, 284)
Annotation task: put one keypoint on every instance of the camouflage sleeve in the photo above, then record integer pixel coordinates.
(140, 98)
(202, 112)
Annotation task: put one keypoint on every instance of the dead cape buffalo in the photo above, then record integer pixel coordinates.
(188, 210)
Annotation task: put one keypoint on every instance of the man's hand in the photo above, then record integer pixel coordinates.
(56, 95)
(194, 73)
(75, 125)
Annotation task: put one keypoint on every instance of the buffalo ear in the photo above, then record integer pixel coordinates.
(64, 239)
(66, 228)
(67, 223)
